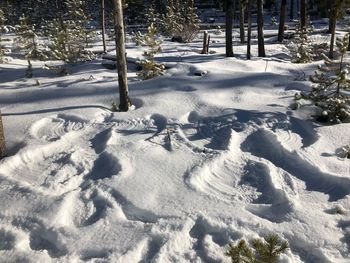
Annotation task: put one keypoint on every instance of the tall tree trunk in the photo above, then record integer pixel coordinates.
(331, 46)
(291, 11)
(249, 33)
(282, 20)
(333, 16)
(302, 14)
(121, 56)
(2, 140)
(241, 21)
(228, 33)
(260, 21)
(103, 25)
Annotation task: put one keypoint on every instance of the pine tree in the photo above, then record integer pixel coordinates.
(301, 47)
(241, 253)
(150, 68)
(27, 40)
(170, 21)
(269, 250)
(152, 17)
(262, 251)
(70, 32)
(190, 21)
(2, 25)
(180, 20)
(332, 86)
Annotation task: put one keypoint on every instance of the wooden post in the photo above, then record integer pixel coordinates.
(2, 140)
(206, 40)
(121, 56)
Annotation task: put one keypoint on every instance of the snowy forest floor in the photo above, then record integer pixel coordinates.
(199, 162)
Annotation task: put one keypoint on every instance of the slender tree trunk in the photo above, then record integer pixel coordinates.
(291, 11)
(302, 14)
(241, 21)
(260, 20)
(2, 140)
(206, 39)
(331, 46)
(229, 20)
(121, 56)
(103, 25)
(282, 20)
(249, 33)
(330, 23)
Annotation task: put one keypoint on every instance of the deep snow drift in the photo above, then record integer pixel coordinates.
(201, 161)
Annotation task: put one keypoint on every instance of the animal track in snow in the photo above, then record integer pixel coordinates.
(345, 226)
(105, 166)
(274, 203)
(201, 230)
(7, 240)
(53, 128)
(41, 237)
(264, 144)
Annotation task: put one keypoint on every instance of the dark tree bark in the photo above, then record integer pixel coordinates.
(103, 25)
(229, 20)
(206, 39)
(2, 140)
(282, 20)
(260, 21)
(302, 14)
(241, 21)
(291, 13)
(121, 56)
(334, 15)
(249, 33)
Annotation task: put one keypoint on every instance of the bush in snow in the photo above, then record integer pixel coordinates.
(152, 17)
(180, 21)
(69, 35)
(261, 251)
(301, 46)
(240, 253)
(27, 40)
(332, 86)
(150, 68)
(2, 25)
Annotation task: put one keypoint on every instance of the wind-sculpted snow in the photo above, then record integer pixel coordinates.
(210, 153)
(260, 144)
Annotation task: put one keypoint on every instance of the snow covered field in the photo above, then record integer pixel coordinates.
(201, 161)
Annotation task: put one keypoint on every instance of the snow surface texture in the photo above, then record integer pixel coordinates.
(201, 161)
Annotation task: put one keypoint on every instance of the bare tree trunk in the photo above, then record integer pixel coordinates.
(331, 46)
(302, 14)
(229, 20)
(206, 39)
(103, 24)
(333, 16)
(291, 14)
(260, 20)
(2, 140)
(282, 20)
(121, 56)
(249, 33)
(241, 21)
